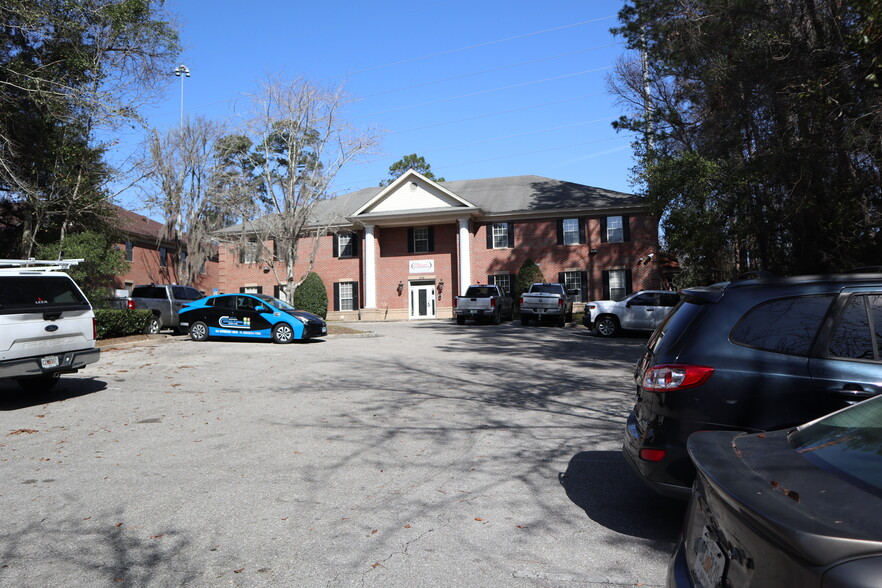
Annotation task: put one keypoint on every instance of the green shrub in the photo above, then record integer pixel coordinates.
(120, 323)
(312, 296)
(528, 274)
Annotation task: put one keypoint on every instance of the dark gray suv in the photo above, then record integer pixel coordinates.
(752, 355)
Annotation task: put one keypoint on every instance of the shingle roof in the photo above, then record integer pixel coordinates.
(506, 195)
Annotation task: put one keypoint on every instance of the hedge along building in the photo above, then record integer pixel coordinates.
(406, 250)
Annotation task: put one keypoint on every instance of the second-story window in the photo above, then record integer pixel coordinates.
(130, 248)
(345, 245)
(248, 252)
(163, 257)
(615, 229)
(420, 239)
(500, 235)
(570, 231)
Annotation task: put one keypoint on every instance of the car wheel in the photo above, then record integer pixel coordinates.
(153, 325)
(569, 317)
(283, 333)
(460, 320)
(561, 321)
(606, 326)
(497, 318)
(199, 331)
(525, 321)
(39, 383)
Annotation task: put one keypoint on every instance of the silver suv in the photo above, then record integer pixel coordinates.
(47, 327)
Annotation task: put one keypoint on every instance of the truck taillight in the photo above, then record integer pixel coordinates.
(130, 304)
(454, 302)
(492, 303)
(521, 302)
(672, 377)
(94, 328)
(560, 302)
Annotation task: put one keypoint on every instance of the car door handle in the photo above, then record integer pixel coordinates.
(855, 392)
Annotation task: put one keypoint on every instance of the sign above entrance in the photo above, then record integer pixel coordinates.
(421, 266)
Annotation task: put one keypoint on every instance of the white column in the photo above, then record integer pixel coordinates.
(465, 256)
(370, 269)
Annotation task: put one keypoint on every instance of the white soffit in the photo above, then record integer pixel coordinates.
(412, 191)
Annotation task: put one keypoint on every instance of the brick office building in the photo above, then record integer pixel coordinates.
(152, 259)
(404, 251)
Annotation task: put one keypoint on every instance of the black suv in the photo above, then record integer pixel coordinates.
(752, 355)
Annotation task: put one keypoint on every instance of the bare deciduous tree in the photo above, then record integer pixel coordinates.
(300, 144)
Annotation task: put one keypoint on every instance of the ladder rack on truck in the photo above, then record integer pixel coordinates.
(37, 265)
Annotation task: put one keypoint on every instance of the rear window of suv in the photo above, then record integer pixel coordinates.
(787, 325)
(39, 293)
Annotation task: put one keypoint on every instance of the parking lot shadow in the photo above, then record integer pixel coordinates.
(12, 397)
(602, 484)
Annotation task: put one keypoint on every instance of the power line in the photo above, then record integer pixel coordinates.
(477, 45)
(490, 91)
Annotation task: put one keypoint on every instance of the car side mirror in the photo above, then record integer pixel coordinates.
(260, 308)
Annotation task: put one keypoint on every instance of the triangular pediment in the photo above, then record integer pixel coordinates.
(413, 192)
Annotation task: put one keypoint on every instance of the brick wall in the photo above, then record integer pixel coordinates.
(534, 239)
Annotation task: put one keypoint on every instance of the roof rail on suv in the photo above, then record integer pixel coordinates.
(42, 265)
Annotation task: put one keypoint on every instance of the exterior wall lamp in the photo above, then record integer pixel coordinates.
(400, 287)
(440, 288)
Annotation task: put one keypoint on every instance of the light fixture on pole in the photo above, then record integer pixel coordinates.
(182, 69)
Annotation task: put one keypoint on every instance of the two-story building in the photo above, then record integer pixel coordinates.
(405, 250)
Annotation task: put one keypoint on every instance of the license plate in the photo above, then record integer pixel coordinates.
(473, 311)
(50, 361)
(324, 329)
(708, 562)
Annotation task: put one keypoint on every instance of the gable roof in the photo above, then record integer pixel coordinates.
(498, 198)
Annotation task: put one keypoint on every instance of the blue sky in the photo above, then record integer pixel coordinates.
(480, 89)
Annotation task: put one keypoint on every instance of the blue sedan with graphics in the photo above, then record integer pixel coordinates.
(249, 316)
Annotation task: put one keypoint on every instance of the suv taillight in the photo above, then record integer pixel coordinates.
(130, 304)
(671, 377)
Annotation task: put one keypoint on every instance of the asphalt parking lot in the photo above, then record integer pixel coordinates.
(429, 454)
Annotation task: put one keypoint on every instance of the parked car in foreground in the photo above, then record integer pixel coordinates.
(250, 316)
(757, 354)
(640, 311)
(163, 300)
(47, 327)
(547, 302)
(799, 508)
(483, 301)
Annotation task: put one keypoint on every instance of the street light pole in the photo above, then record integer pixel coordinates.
(182, 69)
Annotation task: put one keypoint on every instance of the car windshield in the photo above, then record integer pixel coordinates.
(848, 443)
(276, 303)
(545, 289)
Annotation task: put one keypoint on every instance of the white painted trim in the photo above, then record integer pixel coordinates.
(370, 268)
(407, 176)
(465, 261)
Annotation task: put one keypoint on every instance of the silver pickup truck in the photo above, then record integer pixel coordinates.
(483, 301)
(163, 300)
(547, 302)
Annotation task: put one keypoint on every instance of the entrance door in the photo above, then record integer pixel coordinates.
(422, 300)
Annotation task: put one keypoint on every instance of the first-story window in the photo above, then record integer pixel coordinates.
(575, 281)
(616, 284)
(501, 280)
(345, 296)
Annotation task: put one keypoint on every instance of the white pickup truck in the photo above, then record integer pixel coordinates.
(547, 302)
(483, 301)
(640, 311)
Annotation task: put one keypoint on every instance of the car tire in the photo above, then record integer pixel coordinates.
(283, 333)
(199, 331)
(153, 326)
(497, 318)
(42, 383)
(606, 326)
(525, 321)
(561, 321)
(460, 320)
